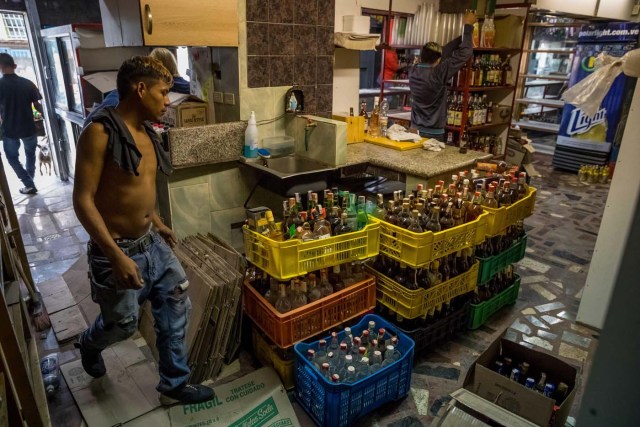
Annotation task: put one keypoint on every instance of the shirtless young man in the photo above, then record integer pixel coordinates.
(130, 256)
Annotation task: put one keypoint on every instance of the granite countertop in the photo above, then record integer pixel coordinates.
(418, 162)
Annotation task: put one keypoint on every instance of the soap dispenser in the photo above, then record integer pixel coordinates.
(251, 138)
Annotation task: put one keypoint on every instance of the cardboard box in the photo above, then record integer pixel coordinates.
(186, 111)
(483, 381)
(355, 127)
(356, 24)
(514, 153)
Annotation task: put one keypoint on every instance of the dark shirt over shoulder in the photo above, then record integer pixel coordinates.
(17, 94)
(428, 83)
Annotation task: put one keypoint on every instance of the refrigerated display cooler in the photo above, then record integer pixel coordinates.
(584, 140)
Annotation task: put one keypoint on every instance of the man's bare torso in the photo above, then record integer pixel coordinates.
(125, 201)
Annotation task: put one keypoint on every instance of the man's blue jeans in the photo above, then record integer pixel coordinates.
(165, 285)
(11, 150)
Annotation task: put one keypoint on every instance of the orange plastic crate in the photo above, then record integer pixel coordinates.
(304, 322)
(419, 249)
(500, 218)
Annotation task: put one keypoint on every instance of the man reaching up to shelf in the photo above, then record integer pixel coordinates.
(130, 256)
(428, 80)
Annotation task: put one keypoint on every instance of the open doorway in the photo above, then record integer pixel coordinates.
(15, 41)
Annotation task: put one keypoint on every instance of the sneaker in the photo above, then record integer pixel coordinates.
(188, 393)
(28, 190)
(92, 361)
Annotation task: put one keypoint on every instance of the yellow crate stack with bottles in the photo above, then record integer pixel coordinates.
(309, 274)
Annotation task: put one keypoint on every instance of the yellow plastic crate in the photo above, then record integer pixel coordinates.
(500, 218)
(418, 249)
(266, 354)
(412, 304)
(293, 258)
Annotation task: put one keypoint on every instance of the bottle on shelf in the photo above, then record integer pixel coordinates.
(374, 121)
(488, 36)
(363, 113)
(384, 117)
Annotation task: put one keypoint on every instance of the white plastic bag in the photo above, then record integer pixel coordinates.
(589, 93)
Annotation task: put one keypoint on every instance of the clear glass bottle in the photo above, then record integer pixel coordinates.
(325, 287)
(322, 227)
(334, 345)
(272, 294)
(321, 352)
(350, 376)
(314, 292)
(487, 39)
(283, 303)
(304, 233)
(326, 371)
(384, 117)
(348, 339)
(376, 362)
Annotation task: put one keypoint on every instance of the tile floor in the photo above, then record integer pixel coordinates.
(562, 235)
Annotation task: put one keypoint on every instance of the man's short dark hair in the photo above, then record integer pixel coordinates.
(140, 69)
(6, 60)
(430, 53)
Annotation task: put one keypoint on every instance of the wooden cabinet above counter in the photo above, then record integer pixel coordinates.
(170, 23)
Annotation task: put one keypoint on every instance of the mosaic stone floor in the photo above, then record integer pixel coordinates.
(562, 234)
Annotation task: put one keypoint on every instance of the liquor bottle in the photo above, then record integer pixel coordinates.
(325, 287)
(506, 72)
(322, 227)
(435, 277)
(433, 224)
(374, 121)
(490, 200)
(450, 109)
(283, 304)
(470, 112)
(352, 212)
(344, 227)
(384, 118)
(404, 220)
(483, 110)
(472, 72)
(313, 292)
(334, 345)
(304, 233)
(446, 220)
(361, 215)
(334, 219)
(380, 212)
(458, 112)
(464, 140)
(376, 362)
(477, 109)
(489, 118)
(272, 231)
(300, 298)
(505, 195)
(488, 35)
(363, 113)
(415, 226)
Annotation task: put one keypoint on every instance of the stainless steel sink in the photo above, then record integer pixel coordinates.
(288, 166)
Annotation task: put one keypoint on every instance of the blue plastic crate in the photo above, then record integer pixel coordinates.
(338, 405)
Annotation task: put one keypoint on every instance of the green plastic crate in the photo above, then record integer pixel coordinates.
(480, 313)
(491, 265)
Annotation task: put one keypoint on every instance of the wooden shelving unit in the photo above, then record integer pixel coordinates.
(24, 400)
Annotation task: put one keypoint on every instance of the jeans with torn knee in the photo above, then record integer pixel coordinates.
(165, 286)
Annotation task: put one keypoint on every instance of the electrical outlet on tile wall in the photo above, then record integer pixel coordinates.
(229, 98)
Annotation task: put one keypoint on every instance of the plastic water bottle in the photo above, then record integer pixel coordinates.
(251, 138)
(50, 373)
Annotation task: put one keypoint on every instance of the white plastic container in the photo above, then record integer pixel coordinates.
(251, 138)
(356, 24)
(279, 146)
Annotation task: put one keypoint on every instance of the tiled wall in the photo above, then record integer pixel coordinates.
(290, 43)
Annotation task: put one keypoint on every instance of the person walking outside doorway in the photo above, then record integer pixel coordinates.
(17, 96)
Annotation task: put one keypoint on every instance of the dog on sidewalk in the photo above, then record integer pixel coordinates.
(44, 156)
